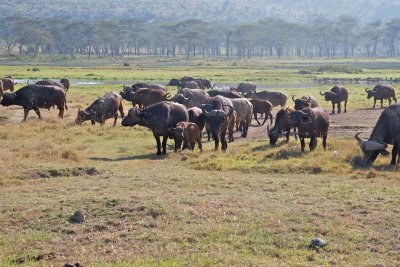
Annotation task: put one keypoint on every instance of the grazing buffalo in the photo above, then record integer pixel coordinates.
(262, 107)
(174, 82)
(246, 87)
(35, 97)
(231, 93)
(311, 123)
(305, 102)
(386, 131)
(276, 98)
(244, 112)
(100, 110)
(381, 92)
(282, 126)
(146, 97)
(158, 118)
(51, 83)
(190, 97)
(188, 133)
(337, 95)
(8, 84)
(218, 111)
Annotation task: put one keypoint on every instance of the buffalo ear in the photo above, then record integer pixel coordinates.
(171, 130)
(384, 152)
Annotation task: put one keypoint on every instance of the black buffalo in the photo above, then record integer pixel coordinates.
(386, 131)
(282, 126)
(159, 118)
(311, 123)
(337, 95)
(381, 92)
(35, 97)
(101, 109)
(218, 111)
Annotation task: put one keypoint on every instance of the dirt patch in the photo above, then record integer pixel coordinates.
(66, 172)
(45, 256)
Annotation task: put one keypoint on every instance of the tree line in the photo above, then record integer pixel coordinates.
(344, 36)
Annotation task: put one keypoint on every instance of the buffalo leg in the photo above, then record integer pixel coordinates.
(38, 112)
(164, 144)
(339, 108)
(121, 110)
(382, 103)
(26, 111)
(295, 133)
(255, 117)
(199, 143)
(302, 144)
(158, 144)
(271, 117)
(390, 101)
(324, 141)
(374, 102)
(93, 122)
(115, 119)
(265, 119)
(345, 106)
(395, 152)
(313, 143)
(216, 141)
(287, 136)
(333, 108)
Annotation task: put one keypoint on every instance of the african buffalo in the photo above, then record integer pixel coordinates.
(218, 111)
(190, 85)
(8, 84)
(262, 107)
(311, 123)
(174, 82)
(386, 131)
(231, 93)
(337, 95)
(188, 133)
(381, 92)
(190, 97)
(138, 86)
(244, 113)
(305, 102)
(246, 87)
(196, 116)
(103, 108)
(146, 97)
(35, 97)
(52, 83)
(276, 98)
(282, 126)
(159, 118)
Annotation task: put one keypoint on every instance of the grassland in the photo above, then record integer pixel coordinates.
(253, 205)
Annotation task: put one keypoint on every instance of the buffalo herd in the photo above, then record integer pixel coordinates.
(185, 115)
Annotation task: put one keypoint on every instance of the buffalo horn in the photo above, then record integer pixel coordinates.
(293, 98)
(366, 90)
(309, 99)
(321, 93)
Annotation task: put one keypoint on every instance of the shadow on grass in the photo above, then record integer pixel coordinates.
(135, 157)
(357, 163)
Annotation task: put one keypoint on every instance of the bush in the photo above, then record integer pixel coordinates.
(35, 69)
(338, 68)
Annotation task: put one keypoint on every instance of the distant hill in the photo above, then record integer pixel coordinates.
(211, 10)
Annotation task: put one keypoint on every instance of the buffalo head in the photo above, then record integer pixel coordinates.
(132, 118)
(273, 135)
(8, 99)
(298, 117)
(216, 117)
(84, 116)
(371, 149)
(301, 103)
(370, 93)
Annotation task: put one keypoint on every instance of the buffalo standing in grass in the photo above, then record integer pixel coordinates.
(282, 126)
(246, 87)
(305, 102)
(337, 95)
(188, 133)
(381, 92)
(52, 83)
(263, 107)
(386, 131)
(190, 97)
(311, 123)
(218, 111)
(100, 110)
(35, 97)
(158, 118)
(244, 113)
(196, 116)
(146, 97)
(276, 98)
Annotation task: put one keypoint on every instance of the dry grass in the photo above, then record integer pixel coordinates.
(253, 205)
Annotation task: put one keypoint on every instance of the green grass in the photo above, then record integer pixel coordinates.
(253, 205)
